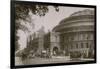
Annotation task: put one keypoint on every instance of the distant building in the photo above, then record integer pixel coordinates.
(41, 34)
(51, 43)
(54, 43)
(48, 42)
(35, 42)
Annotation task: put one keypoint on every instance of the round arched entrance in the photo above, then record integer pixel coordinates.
(55, 51)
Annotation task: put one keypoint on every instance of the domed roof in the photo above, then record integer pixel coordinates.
(84, 12)
(76, 17)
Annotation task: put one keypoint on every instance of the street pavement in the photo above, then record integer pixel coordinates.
(37, 60)
(18, 61)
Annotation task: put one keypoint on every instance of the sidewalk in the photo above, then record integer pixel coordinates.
(86, 59)
(18, 61)
(61, 57)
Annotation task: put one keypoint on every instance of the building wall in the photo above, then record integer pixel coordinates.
(54, 42)
(77, 34)
(41, 34)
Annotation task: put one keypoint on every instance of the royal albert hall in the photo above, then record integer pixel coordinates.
(76, 34)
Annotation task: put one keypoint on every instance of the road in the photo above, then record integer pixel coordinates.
(33, 61)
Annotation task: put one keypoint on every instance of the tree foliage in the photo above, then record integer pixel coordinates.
(22, 12)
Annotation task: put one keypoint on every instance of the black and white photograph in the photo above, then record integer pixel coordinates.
(51, 33)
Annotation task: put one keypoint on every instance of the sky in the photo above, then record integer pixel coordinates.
(49, 21)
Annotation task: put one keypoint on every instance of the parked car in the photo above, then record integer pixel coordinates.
(32, 56)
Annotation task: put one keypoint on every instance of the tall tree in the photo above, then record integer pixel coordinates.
(22, 13)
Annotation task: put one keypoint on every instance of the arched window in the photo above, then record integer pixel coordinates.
(84, 37)
(87, 46)
(71, 46)
(77, 46)
(82, 45)
(72, 38)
